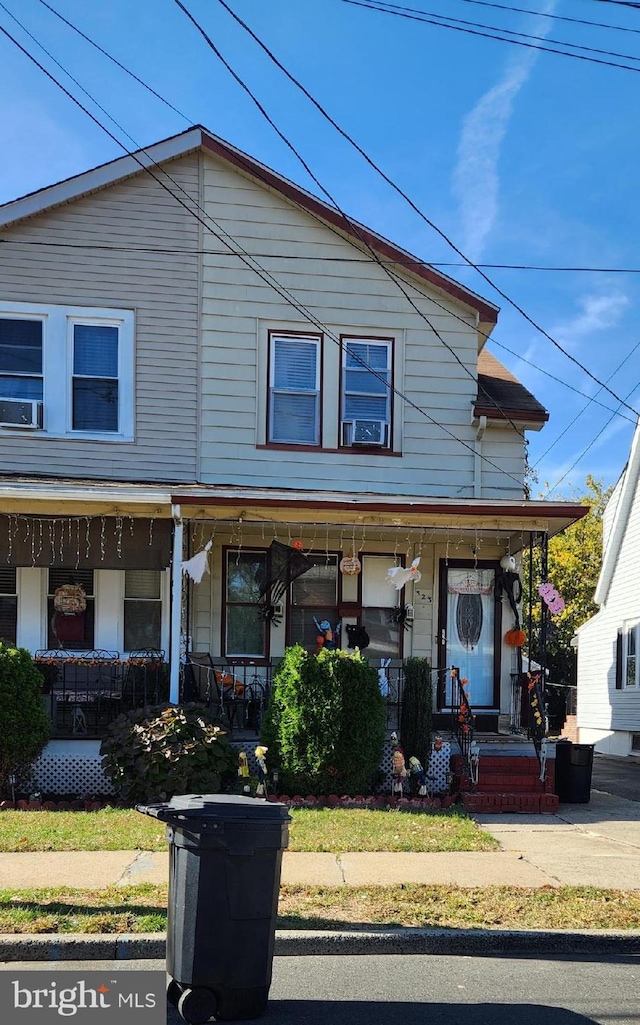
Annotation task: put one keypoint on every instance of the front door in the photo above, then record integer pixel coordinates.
(470, 630)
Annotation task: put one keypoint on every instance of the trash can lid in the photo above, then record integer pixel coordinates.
(225, 807)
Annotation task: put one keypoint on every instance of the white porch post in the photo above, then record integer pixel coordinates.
(176, 606)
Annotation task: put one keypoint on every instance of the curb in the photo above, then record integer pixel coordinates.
(294, 943)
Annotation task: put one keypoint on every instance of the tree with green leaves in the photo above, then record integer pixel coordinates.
(573, 566)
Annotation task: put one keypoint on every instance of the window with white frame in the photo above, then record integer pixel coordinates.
(294, 389)
(631, 649)
(142, 610)
(366, 391)
(75, 365)
(73, 632)
(20, 358)
(381, 608)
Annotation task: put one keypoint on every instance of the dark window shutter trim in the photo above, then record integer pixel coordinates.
(619, 660)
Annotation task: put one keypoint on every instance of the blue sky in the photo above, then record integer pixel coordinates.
(519, 156)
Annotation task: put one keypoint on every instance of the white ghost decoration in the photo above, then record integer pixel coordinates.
(399, 575)
(198, 564)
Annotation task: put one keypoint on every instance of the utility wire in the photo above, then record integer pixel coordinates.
(489, 35)
(585, 407)
(417, 209)
(350, 225)
(585, 450)
(398, 261)
(554, 17)
(265, 276)
(113, 59)
(445, 19)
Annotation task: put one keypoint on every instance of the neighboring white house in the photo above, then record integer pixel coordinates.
(609, 643)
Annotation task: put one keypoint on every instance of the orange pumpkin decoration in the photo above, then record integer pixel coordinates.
(515, 638)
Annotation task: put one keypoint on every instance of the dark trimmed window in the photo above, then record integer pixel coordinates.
(245, 628)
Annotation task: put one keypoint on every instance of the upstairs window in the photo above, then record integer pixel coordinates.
(95, 378)
(67, 371)
(20, 358)
(294, 389)
(366, 392)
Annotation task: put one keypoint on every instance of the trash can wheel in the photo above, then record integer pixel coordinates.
(197, 1006)
(174, 990)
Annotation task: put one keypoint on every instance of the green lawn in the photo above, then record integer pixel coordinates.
(142, 908)
(334, 830)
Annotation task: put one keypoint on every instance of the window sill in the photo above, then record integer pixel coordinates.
(108, 437)
(356, 450)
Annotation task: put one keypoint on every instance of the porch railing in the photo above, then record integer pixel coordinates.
(84, 691)
(462, 717)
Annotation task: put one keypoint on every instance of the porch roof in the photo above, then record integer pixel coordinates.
(259, 505)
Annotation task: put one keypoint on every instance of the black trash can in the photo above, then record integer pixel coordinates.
(224, 877)
(574, 767)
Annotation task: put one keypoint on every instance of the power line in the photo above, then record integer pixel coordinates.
(415, 207)
(350, 225)
(586, 406)
(554, 17)
(445, 19)
(110, 57)
(399, 261)
(585, 450)
(489, 35)
(264, 275)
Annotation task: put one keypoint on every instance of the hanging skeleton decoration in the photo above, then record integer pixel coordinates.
(198, 564)
(284, 564)
(401, 575)
(508, 580)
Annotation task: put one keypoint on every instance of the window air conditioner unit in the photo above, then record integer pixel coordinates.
(367, 432)
(21, 413)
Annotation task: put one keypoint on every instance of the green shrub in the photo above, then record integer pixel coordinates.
(25, 726)
(415, 716)
(325, 723)
(152, 754)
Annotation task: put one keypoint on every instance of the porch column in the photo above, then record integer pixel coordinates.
(176, 607)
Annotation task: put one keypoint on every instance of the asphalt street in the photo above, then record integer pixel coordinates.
(434, 989)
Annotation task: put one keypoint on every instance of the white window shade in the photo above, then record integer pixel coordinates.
(377, 592)
(294, 392)
(366, 380)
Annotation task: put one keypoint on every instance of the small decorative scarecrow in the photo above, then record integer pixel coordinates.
(261, 789)
(398, 767)
(243, 765)
(418, 776)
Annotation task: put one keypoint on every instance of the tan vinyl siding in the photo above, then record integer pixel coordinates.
(163, 291)
(349, 298)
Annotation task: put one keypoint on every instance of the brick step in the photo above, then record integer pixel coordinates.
(509, 784)
(498, 803)
(502, 763)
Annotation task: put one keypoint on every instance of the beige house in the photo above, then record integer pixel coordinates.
(195, 349)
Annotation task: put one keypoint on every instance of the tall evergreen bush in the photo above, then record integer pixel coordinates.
(417, 703)
(25, 726)
(326, 722)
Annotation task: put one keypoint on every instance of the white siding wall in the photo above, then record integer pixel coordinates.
(161, 289)
(600, 705)
(347, 297)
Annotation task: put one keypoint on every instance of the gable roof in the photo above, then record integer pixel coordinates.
(631, 475)
(500, 394)
(199, 138)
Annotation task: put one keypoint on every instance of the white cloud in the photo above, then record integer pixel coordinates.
(597, 312)
(476, 179)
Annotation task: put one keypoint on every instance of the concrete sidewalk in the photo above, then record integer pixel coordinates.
(596, 844)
